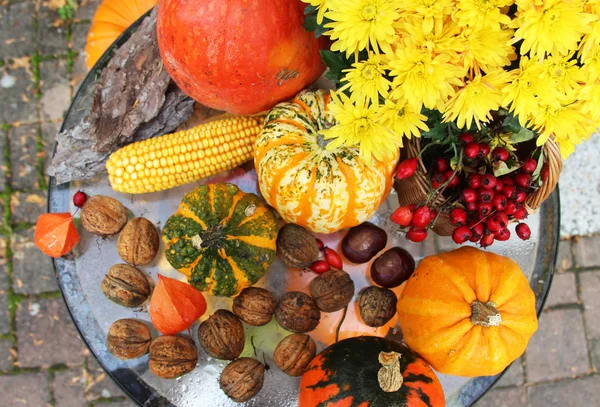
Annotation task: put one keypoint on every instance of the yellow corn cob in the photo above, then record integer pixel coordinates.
(185, 156)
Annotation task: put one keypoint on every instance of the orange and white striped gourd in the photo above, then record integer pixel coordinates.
(307, 184)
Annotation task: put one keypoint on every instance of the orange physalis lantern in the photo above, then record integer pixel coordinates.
(55, 234)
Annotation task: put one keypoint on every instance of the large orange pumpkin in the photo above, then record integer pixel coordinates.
(111, 19)
(237, 55)
(322, 190)
(468, 312)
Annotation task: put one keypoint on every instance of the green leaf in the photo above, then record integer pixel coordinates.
(511, 124)
(540, 164)
(336, 63)
(310, 23)
(500, 168)
(521, 136)
(310, 9)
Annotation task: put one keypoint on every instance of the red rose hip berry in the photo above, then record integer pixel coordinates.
(487, 240)
(421, 217)
(79, 199)
(500, 154)
(484, 150)
(488, 180)
(465, 138)
(474, 181)
(402, 216)
(503, 235)
(485, 194)
(469, 195)
(442, 165)
(333, 258)
(320, 266)
(499, 202)
(458, 216)
(523, 231)
(529, 165)
(471, 150)
(407, 168)
(320, 244)
(461, 234)
(522, 180)
(416, 234)
(484, 209)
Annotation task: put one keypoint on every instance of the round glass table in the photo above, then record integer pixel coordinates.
(80, 275)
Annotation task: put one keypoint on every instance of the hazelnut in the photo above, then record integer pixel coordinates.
(128, 339)
(296, 246)
(222, 335)
(242, 379)
(294, 353)
(126, 285)
(377, 305)
(103, 215)
(332, 290)
(172, 356)
(297, 312)
(138, 242)
(255, 306)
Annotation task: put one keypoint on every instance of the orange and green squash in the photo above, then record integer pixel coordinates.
(468, 312)
(111, 19)
(237, 55)
(347, 374)
(307, 184)
(221, 238)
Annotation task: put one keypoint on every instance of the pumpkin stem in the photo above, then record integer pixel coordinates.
(486, 315)
(389, 376)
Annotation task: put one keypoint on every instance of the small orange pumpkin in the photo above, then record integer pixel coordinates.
(111, 19)
(468, 312)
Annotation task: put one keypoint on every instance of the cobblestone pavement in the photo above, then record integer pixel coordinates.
(42, 361)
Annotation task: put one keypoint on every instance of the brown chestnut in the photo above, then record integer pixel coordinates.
(363, 242)
(393, 267)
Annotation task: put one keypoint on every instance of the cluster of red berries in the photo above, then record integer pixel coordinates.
(483, 205)
(331, 258)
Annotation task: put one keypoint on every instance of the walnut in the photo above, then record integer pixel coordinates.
(126, 285)
(297, 312)
(138, 242)
(255, 306)
(242, 379)
(103, 215)
(332, 290)
(222, 335)
(294, 353)
(128, 339)
(296, 246)
(172, 356)
(377, 305)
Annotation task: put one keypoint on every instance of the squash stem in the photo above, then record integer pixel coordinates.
(486, 315)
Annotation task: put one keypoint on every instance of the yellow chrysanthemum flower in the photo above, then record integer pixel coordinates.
(590, 97)
(366, 79)
(566, 123)
(563, 73)
(487, 48)
(590, 44)
(423, 79)
(357, 126)
(443, 39)
(321, 6)
(528, 85)
(550, 26)
(402, 118)
(591, 67)
(356, 24)
(479, 14)
(477, 99)
(429, 10)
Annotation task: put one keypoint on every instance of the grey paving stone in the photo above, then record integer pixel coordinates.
(125, 403)
(51, 32)
(86, 9)
(595, 351)
(79, 72)
(563, 290)
(56, 92)
(17, 103)
(564, 259)
(49, 132)
(586, 251)
(69, 388)
(6, 357)
(100, 385)
(30, 389)
(559, 348)
(23, 157)
(514, 375)
(79, 34)
(4, 314)
(3, 166)
(26, 207)
(32, 270)
(590, 295)
(46, 335)
(567, 393)
(16, 30)
(509, 397)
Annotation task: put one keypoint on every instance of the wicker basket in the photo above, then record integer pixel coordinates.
(414, 190)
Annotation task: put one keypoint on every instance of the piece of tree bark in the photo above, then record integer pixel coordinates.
(134, 99)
